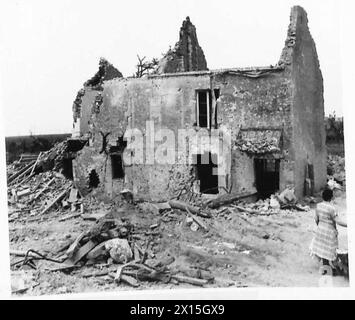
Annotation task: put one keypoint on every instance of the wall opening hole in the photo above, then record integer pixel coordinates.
(117, 166)
(67, 165)
(206, 172)
(93, 179)
(116, 155)
(267, 176)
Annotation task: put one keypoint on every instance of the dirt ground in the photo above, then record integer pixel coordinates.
(239, 250)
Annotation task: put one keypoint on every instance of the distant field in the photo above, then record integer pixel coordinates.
(33, 144)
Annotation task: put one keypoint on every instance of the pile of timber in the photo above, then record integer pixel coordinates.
(24, 157)
(40, 194)
(53, 158)
(30, 165)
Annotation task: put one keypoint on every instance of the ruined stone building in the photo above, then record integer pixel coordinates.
(274, 114)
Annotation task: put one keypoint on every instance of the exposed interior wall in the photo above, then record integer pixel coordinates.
(97, 125)
(169, 102)
(263, 102)
(87, 102)
(301, 59)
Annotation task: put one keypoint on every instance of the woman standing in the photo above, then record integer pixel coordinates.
(325, 241)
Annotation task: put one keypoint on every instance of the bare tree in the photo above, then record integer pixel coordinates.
(144, 67)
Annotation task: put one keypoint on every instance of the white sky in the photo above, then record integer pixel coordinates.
(50, 48)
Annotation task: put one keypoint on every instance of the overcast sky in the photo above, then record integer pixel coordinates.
(50, 48)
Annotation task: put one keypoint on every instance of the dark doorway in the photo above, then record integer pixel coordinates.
(68, 168)
(205, 164)
(116, 153)
(267, 176)
(93, 179)
(117, 166)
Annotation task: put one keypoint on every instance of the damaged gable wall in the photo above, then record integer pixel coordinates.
(301, 60)
(187, 55)
(91, 162)
(89, 100)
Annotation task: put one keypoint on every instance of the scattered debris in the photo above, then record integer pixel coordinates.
(227, 199)
(22, 281)
(336, 169)
(117, 249)
(259, 141)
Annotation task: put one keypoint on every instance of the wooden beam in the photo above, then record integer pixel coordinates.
(58, 198)
(44, 189)
(227, 198)
(34, 166)
(19, 174)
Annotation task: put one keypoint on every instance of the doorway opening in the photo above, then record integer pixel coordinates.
(67, 165)
(267, 177)
(116, 155)
(93, 179)
(117, 166)
(206, 172)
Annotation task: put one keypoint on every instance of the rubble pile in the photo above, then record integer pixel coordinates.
(336, 169)
(53, 158)
(258, 147)
(39, 194)
(283, 202)
(114, 247)
(16, 168)
(124, 252)
(19, 172)
(258, 142)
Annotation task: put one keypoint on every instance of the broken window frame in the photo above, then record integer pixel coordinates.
(208, 107)
(215, 96)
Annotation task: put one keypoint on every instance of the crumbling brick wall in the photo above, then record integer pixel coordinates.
(88, 99)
